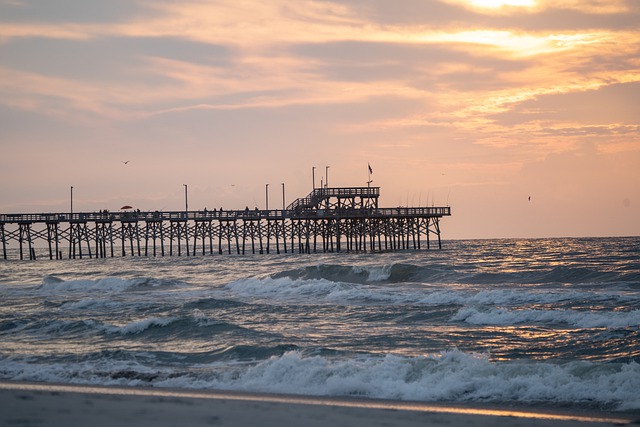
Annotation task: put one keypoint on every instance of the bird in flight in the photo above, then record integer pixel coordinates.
(126, 162)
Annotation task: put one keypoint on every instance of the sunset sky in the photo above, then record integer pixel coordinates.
(476, 104)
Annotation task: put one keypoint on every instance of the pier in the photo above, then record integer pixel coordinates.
(337, 219)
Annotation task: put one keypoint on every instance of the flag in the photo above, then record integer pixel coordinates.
(370, 170)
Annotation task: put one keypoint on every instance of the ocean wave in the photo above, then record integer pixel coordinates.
(451, 376)
(563, 274)
(48, 328)
(447, 376)
(285, 289)
(362, 274)
(103, 372)
(338, 273)
(439, 273)
(55, 284)
(69, 328)
(139, 326)
(86, 304)
(191, 325)
(518, 297)
(581, 319)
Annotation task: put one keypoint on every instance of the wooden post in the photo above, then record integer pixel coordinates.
(4, 241)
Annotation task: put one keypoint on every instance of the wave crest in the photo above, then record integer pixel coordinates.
(105, 284)
(581, 319)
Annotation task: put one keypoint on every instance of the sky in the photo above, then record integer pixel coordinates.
(522, 115)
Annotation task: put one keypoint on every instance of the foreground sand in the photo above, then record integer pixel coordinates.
(28, 404)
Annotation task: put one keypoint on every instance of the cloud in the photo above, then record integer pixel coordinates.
(607, 116)
(611, 104)
(66, 11)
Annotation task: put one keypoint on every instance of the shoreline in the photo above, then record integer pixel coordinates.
(29, 403)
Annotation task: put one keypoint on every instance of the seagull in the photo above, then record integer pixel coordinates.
(126, 163)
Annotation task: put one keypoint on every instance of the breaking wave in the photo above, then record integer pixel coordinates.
(442, 273)
(55, 284)
(451, 376)
(581, 319)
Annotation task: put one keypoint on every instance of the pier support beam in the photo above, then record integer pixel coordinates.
(130, 230)
(179, 230)
(78, 233)
(4, 241)
(103, 236)
(154, 230)
(25, 235)
(228, 231)
(52, 238)
(203, 229)
(251, 229)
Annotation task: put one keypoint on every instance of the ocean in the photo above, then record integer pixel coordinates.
(545, 322)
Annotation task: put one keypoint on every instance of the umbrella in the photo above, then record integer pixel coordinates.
(127, 207)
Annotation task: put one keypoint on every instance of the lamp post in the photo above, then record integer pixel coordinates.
(313, 176)
(186, 198)
(72, 200)
(266, 196)
(326, 177)
(283, 204)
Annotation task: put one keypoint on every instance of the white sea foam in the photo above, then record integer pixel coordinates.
(375, 273)
(139, 326)
(285, 289)
(102, 372)
(582, 319)
(52, 284)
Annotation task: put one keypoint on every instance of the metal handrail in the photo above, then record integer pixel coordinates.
(319, 194)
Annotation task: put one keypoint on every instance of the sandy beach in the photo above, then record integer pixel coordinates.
(36, 404)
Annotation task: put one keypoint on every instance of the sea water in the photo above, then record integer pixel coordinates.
(552, 322)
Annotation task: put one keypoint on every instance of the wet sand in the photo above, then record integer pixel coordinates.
(37, 404)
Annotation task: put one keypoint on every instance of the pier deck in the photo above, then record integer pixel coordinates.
(342, 219)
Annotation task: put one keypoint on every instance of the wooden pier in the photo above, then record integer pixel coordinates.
(340, 219)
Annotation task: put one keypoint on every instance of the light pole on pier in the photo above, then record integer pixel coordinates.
(313, 176)
(283, 204)
(72, 200)
(326, 177)
(266, 196)
(186, 198)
